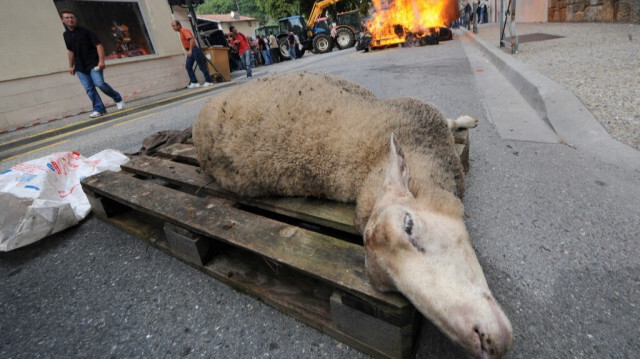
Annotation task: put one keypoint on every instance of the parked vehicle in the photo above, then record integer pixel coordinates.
(348, 29)
(265, 29)
(314, 34)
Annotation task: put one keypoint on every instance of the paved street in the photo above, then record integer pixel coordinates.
(555, 229)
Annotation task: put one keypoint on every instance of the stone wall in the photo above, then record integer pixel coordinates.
(595, 10)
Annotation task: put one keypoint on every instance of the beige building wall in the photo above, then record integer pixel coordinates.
(245, 27)
(35, 84)
(531, 10)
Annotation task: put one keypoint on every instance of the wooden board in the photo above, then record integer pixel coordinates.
(301, 256)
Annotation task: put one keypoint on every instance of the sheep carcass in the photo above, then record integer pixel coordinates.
(302, 134)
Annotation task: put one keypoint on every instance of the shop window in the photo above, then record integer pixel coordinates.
(118, 24)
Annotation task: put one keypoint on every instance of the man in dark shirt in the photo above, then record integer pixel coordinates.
(291, 41)
(86, 59)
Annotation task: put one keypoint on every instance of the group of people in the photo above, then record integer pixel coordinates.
(246, 52)
(471, 14)
(87, 61)
(87, 58)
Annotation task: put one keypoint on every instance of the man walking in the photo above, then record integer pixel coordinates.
(194, 54)
(474, 15)
(86, 59)
(244, 49)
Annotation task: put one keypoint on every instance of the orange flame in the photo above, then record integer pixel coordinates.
(393, 19)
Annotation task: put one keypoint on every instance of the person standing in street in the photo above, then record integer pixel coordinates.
(244, 49)
(467, 16)
(265, 50)
(275, 48)
(334, 34)
(475, 14)
(86, 59)
(194, 54)
(291, 42)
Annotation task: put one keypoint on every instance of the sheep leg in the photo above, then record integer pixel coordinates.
(462, 122)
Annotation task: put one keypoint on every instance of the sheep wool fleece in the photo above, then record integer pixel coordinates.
(322, 136)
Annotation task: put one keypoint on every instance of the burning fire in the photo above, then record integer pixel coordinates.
(393, 20)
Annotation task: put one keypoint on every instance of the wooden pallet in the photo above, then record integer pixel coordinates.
(301, 256)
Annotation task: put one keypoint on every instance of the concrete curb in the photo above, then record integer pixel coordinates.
(560, 109)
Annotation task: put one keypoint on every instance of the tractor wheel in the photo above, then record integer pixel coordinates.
(345, 38)
(322, 43)
(284, 49)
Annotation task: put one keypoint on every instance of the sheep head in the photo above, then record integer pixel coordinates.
(425, 253)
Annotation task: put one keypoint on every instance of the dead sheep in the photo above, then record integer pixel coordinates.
(304, 134)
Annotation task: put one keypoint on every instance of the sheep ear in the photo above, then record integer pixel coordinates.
(397, 176)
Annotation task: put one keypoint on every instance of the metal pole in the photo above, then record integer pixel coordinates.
(501, 22)
(512, 29)
(194, 23)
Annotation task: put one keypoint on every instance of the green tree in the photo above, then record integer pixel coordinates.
(244, 7)
(282, 8)
(277, 9)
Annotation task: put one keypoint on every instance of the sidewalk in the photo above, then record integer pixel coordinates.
(50, 128)
(596, 62)
(45, 128)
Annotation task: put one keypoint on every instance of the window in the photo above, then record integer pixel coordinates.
(118, 24)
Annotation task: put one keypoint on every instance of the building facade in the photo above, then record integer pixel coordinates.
(244, 24)
(144, 55)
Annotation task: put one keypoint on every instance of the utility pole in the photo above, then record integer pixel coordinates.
(508, 17)
(194, 23)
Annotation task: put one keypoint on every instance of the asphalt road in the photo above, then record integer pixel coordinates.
(555, 230)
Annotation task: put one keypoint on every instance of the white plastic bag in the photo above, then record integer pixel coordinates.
(44, 196)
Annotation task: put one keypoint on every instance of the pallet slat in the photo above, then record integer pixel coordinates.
(334, 215)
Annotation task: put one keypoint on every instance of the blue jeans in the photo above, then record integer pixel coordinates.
(95, 78)
(246, 61)
(198, 57)
(267, 57)
(292, 51)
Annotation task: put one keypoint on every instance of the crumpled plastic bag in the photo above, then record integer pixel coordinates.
(44, 196)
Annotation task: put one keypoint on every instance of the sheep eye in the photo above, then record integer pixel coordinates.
(408, 223)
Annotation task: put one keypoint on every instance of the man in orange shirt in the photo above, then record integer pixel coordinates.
(194, 54)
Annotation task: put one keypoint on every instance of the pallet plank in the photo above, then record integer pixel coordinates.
(329, 214)
(398, 343)
(180, 152)
(317, 255)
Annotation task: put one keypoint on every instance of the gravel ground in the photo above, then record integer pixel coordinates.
(598, 62)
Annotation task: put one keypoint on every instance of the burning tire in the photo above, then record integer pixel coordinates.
(322, 43)
(345, 38)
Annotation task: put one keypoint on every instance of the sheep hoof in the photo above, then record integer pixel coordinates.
(466, 122)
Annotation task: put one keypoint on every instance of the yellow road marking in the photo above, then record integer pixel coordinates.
(65, 134)
(36, 150)
(134, 119)
(190, 102)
